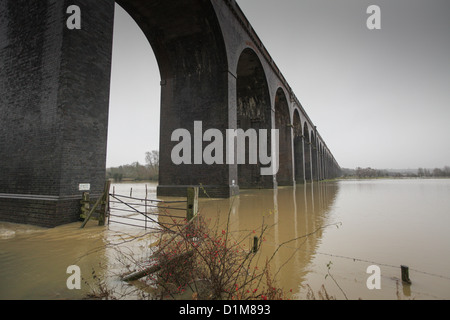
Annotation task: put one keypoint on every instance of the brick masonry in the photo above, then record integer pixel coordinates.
(54, 95)
(44, 213)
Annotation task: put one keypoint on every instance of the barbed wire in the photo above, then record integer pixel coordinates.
(382, 264)
(371, 262)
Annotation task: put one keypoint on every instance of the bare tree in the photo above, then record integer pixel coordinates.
(152, 163)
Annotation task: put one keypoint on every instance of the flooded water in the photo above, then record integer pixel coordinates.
(353, 224)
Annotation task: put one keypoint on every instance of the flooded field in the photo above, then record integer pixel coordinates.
(353, 224)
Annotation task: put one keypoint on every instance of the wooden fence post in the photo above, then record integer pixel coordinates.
(255, 244)
(192, 203)
(104, 204)
(85, 205)
(102, 201)
(146, 196)
(405, 274)
(90, 212)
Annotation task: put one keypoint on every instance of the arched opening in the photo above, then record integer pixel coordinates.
(190, 52)
(320, 161)
(323, 162)
(307, 153)
(298, 149)
(253, 112)
(134, 108)
(313, 157)
(283, 124)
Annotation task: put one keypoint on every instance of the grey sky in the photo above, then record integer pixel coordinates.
(379, 98)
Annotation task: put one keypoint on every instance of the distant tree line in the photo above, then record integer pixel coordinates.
(370, 173)
(436, 172)
(137, 171)
(362, 173)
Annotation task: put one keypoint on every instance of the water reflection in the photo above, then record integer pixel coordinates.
(294, 217)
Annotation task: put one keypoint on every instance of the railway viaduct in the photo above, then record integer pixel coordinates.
(54, 100)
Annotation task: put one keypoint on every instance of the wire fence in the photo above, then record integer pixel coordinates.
(382, 264)
(355, 259)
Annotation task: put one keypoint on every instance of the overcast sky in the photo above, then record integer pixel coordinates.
(379, 98)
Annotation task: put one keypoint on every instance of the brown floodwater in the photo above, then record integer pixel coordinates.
(324, 234)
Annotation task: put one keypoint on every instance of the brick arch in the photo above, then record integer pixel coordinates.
(314, 168)
(284, 125)
(307, 152)
(253, 112)
(185, 35)
(189, 47)
(299, 168)
(320, 159)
